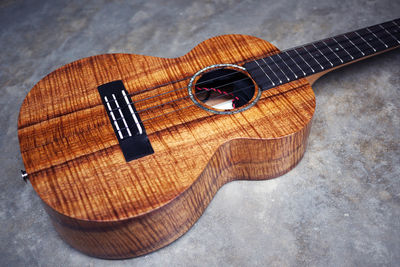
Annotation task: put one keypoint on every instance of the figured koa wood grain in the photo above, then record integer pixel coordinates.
(109, 208)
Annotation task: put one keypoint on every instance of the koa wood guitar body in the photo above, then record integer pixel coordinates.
(111, 204)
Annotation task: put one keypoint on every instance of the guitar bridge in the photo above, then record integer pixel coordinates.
(125, 120)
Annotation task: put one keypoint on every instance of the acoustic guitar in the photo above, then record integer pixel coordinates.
(126, 151)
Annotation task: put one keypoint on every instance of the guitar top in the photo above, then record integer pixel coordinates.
(126, 151)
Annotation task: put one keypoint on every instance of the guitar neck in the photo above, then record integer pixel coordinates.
(314, 59)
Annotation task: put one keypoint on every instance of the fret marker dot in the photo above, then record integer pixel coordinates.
(336, 48)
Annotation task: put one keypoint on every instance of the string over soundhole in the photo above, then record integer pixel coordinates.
(223, 89)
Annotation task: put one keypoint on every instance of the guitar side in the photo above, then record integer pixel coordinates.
(109, 208)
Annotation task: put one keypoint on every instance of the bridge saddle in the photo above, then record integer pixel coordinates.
(125, 120)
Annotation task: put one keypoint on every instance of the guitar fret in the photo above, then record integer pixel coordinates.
(304, 60)
(341, 53)
(313, 57)
(354, 44)
(279, 68)
(366, 41)
(385, 35)
(341, 60)
(380, 25)
(343, 48)
(374, 40)
(260, 75)
(377, 37)
(328, 54)
(295, 63)
(360, 43)
(276, 75)
(346, 42)
(295, 75)
(300, 62)
(395, 23)
(265, 73)
(396, 30)
(323, 55)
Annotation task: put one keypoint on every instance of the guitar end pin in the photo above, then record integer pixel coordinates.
(24, 176)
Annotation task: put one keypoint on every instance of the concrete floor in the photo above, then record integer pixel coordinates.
(339, 207)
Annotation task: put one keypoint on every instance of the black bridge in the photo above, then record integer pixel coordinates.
(125, 120)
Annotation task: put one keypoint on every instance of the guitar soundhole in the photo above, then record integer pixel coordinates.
(223, 89)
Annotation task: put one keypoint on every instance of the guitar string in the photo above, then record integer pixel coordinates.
(164, 114)
(146, 109)
(181, 98)
(278, 61)
(220, 86)
(238, 90)
(173, 111)
(176, 110)
(283, 51)
(152, 107)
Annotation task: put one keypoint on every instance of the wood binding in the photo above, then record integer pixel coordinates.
(109, 208)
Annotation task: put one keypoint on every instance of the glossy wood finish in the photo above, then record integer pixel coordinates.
(109, 208)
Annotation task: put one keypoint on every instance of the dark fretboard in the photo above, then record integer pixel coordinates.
(323, 55)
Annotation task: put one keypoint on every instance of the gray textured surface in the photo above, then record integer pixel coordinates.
(339, 207)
